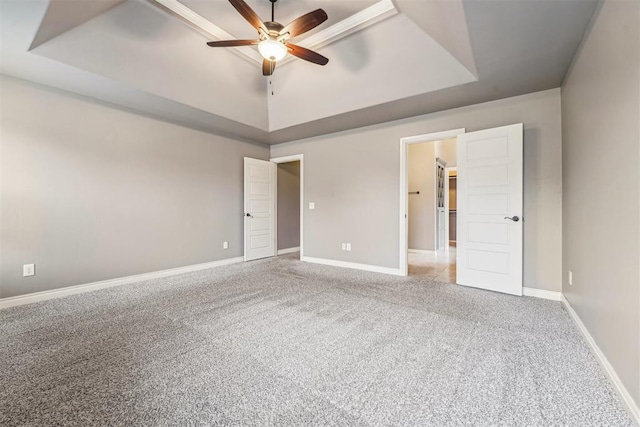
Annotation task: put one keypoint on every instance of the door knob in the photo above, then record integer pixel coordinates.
(249, 215)
(512, 218)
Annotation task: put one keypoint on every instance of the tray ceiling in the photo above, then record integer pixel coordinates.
(135, 54)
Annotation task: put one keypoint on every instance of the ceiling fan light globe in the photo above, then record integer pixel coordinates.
(272, 50)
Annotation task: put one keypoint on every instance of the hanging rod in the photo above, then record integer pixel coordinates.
(414, 192)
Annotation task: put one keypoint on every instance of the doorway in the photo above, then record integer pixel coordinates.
(289, 200)
(489, 195)
(261, 207)
(429, 255)
(288, 208)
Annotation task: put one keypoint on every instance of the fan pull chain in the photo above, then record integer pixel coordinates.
(272, 66)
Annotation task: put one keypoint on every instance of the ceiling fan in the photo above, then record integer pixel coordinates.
(273, 42)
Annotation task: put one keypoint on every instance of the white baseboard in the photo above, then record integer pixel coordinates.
(94, 286)
(619, 387)
(353, 265)
(288, 250)
(421, 251)
(542, 293)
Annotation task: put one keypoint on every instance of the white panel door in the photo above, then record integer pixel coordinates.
(259, 209)
(489, 227)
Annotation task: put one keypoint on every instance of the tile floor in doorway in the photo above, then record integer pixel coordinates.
(436, 266)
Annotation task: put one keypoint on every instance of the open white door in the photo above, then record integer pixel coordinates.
(259, 209)
(489, 240)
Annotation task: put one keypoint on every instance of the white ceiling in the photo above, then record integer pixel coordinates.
(432, 55)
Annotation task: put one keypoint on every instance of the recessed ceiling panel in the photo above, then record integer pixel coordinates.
(63, 15)
(138, 44)
(223, 14)
(140, 57)
(391, 60)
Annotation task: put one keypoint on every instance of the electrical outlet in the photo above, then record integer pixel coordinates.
(344, 246)
(348, 247)
(28, 270)
(225, 245)
(570, 277)
(312, 206)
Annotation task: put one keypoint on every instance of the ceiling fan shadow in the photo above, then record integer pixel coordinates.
(255, 84)
(353, 52)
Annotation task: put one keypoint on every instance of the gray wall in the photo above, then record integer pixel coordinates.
(354, 179)
(288, 205)
(90, 192)
(422, 209)
(601, 160)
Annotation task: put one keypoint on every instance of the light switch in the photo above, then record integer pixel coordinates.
(349, 247)
(28, 270)
(312, 205)
(344, 246)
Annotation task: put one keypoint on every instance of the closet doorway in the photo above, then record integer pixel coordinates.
(429, 254)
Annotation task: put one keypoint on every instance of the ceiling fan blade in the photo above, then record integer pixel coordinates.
(268, 67)
(232, 43)
(305, 23)
(306, 54)
(248, 14)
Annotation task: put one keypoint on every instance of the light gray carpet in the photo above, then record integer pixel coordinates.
(279, 342)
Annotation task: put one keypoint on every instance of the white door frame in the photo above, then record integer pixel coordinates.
(404, 188)
(287, 159)
(447, 173)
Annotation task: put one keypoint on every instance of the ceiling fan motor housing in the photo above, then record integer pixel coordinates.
(274, 28)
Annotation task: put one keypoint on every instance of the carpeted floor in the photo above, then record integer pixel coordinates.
(287, 343)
